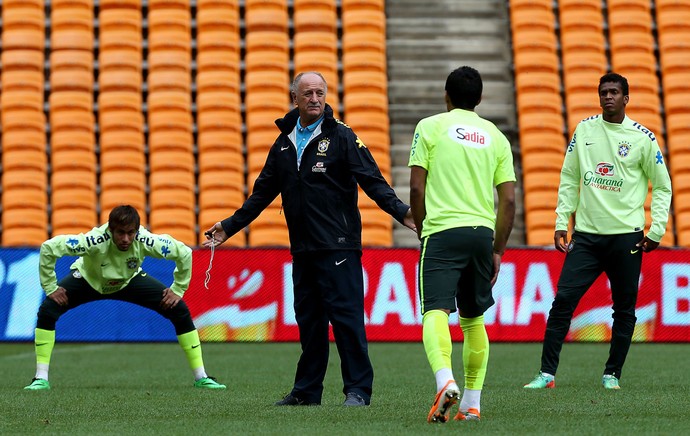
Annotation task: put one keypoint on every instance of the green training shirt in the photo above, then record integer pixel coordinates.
(105, 267)
(465, 157)
(605, 179)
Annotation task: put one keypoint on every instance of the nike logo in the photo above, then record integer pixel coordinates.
(196, 346)
(589, 143)
(44, 343)
(634, 251)
(284, 148)
(338, 262)
(104, 264)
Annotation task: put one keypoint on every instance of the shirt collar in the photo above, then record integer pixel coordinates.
(310, 128)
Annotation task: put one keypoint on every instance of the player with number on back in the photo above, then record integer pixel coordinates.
(109, 267)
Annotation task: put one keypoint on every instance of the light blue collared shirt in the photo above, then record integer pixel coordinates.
(303, 135)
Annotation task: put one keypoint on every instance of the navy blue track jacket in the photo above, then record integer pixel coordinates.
(319, 198)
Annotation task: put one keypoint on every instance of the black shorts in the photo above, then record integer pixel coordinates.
(455, 270)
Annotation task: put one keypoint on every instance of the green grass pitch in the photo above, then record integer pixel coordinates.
(145, 389)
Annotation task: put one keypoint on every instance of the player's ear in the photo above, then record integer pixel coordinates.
(293, 96)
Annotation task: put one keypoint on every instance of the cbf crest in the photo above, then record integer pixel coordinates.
(132, 263)
(624, 149)
(323, 146)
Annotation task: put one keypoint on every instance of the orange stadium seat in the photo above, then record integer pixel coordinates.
(218, 100)
(581, 20)
(218, 80)
(168, 4)
(23, 18)
(539, 102)
(221, 199)
(226, 40)
(23, 39)
(210, 18)
(266, 19)
(73, 221)
(313, 19)
(316, 42)
(73, 198)
(71, 80)
(219, 140)
(631, 41)
(583, 41)
(541, 200)
(122, 39)
(633, 62)
(516, 5)
(169, 100)
(362, 101)
(161, 199)
(531, 20)
(542, 161)
(24, 140)
(365, 81)
(674, 62)
(69, 18)
(116, 19)
(357, 20)
(73, 140)
(22, 60)
(127, 179)
(21, 100)
(534, 40)
(221, 160)
(124, 4)
(219, 120)
(121, 121)
(268, 237)
(328, 5)
(73, 179)
(673, 21)
(178, 223)
(172, 179)
(274, 81)
(174, 140)
(116, 59)
(120, 80)
(165, 19)
(585, 82)
(26, 80)
(71, 60)
(160, 60)
(537, 61)
(595, 62)
(547, 122)
(24, 227)
(364, 41)
(126, 140)
(169, 80)
(266, 60)
(72, 39)
(119, 101)
(24, 159)
(167, 120)
(217, 60)
(71, 100)
(26, 198)
(118, 160)
(631, 5)
(24, 178)
(363, 61)
(542, 141)
(538, 82)
(377, 5)
(171, 161)
(673, 42)
(23, 120)
(629, 20)
(218, 180)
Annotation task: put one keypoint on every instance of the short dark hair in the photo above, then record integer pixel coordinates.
(464, 87)
(124, 215)
(615, 78)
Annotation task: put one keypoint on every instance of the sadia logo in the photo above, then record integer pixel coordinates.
(604, 169)
(469, 136)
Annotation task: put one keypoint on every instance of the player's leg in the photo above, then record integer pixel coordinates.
(78, 292)
(582, 265)
(474, 298)
(623, 270)
(341, 282)
(442, 261)
(312, 323)
(147, 291)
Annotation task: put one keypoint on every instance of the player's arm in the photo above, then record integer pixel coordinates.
(167, 247)
(654, 167)
(53, 249)
(417, 196)
(505, 217)
(568, 193)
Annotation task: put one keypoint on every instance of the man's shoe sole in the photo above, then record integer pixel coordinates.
(445, 399)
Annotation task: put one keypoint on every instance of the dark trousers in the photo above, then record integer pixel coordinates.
(615, 255)
(329, 286)
(142, 290)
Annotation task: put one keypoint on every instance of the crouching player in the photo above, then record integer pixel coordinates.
(109, 267)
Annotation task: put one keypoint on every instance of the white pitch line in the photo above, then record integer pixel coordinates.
(58, 350)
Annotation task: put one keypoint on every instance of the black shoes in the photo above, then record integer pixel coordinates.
(354, 400)
(290, 400)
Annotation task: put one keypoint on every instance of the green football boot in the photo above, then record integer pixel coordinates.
(38, 384)
(208, 383)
